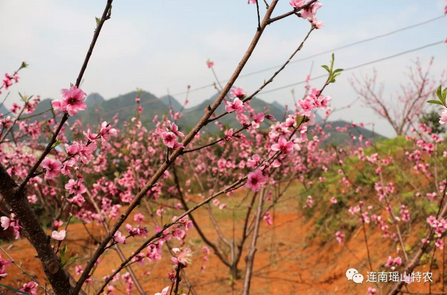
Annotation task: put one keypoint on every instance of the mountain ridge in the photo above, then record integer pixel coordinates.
(124, 107)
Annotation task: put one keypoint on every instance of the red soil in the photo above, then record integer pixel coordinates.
(286, 261)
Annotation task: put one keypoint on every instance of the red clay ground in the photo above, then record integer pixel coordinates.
(286, 262)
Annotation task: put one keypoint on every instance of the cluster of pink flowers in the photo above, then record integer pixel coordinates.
(3, 265)
(210, 64)
(235, 106)
(72, 101)
(206, 251)
(443, 114)
(393, 262)
(310, 12)
(339, 236)
(268, 218)
(30, 288)
(52, 167)
(182, 256)
(7, 81)
(284, 146)
(256, 179)
(312, 101)
(405, 213)
(170, 136)
(7, 222)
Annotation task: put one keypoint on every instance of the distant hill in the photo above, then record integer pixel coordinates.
(168, 100)
(126, 108)
(100, 110)
(93, 99)
(3, 110)
(344, 137)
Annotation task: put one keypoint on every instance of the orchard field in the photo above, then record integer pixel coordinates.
(337, 186)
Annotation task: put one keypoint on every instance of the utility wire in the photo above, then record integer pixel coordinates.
(356, 67)
(302, 82)
(321, 53)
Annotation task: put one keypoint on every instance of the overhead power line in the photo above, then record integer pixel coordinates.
(321, 53)
(355, 67)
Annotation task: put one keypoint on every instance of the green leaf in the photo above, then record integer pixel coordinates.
(63, 252)
(438, 92)
(24, 65)
(299, 120)
(70, 260)
(56, 143)
(443, 96)
(326, 68)
(435, 102)
(332, 61)
(338, 70)
(97, 20)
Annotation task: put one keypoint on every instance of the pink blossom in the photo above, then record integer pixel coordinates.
(443, 114)
(5, 222)
(309, 13)
(78, 200)
(119, 238)
(174, 128)
(79, 270)
(3, 264)
(283, 145)
(106, 130)
(297, 3)
(210, 64)
(178, 234)
(256, 179)
(309, 201)
(334, 200)
(72, 101)
(257, 120)
(268, 218)
(254, 161)
(75, 186)
(163, 292)
(15, 108)
(318, 24)
(59, 235)
(439, 243)
(252, 1)
(206, 250)
(183, 256)
(52, 167)
(32, 199)
(238, 92)
(236, 106)
(169, 139)
(30, 288)
(57, 223)
(339, 236)
(138, 217)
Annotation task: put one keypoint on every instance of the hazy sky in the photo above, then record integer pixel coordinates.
(161, 45)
